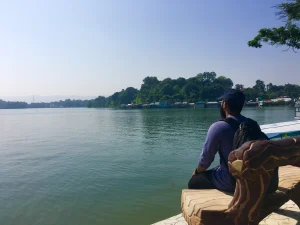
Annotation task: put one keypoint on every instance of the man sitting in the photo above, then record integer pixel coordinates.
(219, 140)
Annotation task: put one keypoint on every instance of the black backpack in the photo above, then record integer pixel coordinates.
(248, 131)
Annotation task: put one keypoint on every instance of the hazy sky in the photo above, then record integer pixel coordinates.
(91, 48)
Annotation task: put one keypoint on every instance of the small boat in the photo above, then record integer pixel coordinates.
(284, 129)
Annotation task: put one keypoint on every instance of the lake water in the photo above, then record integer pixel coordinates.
(102, 166)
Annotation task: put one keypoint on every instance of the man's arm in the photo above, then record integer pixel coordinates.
(211, 147)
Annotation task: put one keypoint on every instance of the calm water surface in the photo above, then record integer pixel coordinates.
(101, 166)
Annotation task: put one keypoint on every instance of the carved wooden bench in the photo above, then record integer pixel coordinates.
(252, 165)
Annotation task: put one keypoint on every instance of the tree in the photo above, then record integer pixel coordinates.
(260, 88)
(272, 95)
(239, 87)
(12, 105)
(269, 87)
(291, 90)
(123, 97)
(180, 82)
(287, 35)
(149, 90)
(225, 82)
(151, 81)
(167, 90)
(209, 76)
(212, 92)
(205, 78)
(250, 94)
(127, 96)
(176, 89)
(99, 102)
(191, 91)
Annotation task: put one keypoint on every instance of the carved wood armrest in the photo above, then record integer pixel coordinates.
(253, 165)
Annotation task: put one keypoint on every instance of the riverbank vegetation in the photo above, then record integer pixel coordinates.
(205, 87)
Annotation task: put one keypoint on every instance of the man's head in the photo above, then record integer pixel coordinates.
(232, 103)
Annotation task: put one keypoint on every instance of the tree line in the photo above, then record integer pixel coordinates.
(205, 86)
(68, 103)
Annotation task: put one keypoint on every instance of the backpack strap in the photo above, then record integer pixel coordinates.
(233, 123)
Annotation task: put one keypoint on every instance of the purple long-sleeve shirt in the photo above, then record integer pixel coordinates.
(219, 139)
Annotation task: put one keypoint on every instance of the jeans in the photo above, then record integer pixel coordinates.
(201, 181)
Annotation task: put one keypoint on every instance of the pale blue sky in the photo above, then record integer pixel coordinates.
(91, 48)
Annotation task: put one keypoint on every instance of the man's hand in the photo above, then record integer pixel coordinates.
(199, 169)
(195, 172)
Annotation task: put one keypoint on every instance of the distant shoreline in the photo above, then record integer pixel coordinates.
(119, 108)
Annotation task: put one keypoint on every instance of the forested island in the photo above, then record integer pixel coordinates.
(204, 87)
